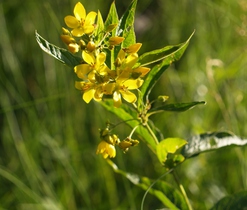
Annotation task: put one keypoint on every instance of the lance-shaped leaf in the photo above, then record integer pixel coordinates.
(166, 193)
(236, 201)
(211, 141)
(126, 25)
(166, 56)
(99, 32)
(60, 54)
(178, 107)
(112, 18)
(128, 115)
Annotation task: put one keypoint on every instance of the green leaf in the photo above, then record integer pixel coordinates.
(211, 141)
(60, 54)
(126, 25)
(129, 115)
(166, 193)
(112, 18)
(167, 56)
(179, 107)
(170, 146)
(236, 201)
(100, 27)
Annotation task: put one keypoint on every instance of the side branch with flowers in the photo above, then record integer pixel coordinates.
(104, 56)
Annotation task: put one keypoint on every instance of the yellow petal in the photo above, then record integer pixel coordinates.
(106, 149)
(101, 147)
(100, 59)
(111, 151)
(142, 70)
(91, 76)
(71, 21)
(79, 85)
(128, 96)
(88, 95)
(88, 29)
(115, 40)
(78, 32)
(98, 94)
(131, 60)
(133, 84)
(82, 70)
(90, 19)
(109, 88)
(104, 71)
(117, 99)
(121, 55)
(133, 48)
(105, 155)
(88, 58)
(79, 11)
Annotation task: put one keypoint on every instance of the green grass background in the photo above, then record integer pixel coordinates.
(48, 135)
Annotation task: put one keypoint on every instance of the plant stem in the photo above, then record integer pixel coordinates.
(182, 190)
(152, 133)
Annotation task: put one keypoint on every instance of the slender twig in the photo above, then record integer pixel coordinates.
(132, 132)
(144, 196)
(152, 133)
(182, 190)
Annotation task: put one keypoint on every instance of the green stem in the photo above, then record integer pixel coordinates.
(152, 133)
(182, 190)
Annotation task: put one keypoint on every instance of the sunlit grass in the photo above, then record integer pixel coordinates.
(49, 135)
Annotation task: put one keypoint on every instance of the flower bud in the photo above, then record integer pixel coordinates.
(115, 40)
(91, 46)
(163, 98)
(65, 31)
(104, 132)
(127, 143)
(134, 48)
(73, 47)
(111, 27)
(67, 39)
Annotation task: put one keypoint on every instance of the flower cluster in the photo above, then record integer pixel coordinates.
(108, 142)
(97, 78)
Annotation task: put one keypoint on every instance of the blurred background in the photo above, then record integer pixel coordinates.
(48, 135)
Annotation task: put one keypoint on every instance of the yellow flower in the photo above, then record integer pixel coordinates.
(106, 149)
(121, 88)
(95, 75)
(125, 62)
(126, 78)
(95, 70)
(80, 22)
(90, 90)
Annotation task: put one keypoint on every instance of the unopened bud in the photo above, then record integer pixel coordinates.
(115, 40)
(163, 98)
(127, 143)
(67, 39)
(111, 27)
(73, 47)
(134, 48)
(65, 31)
(91, 46)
